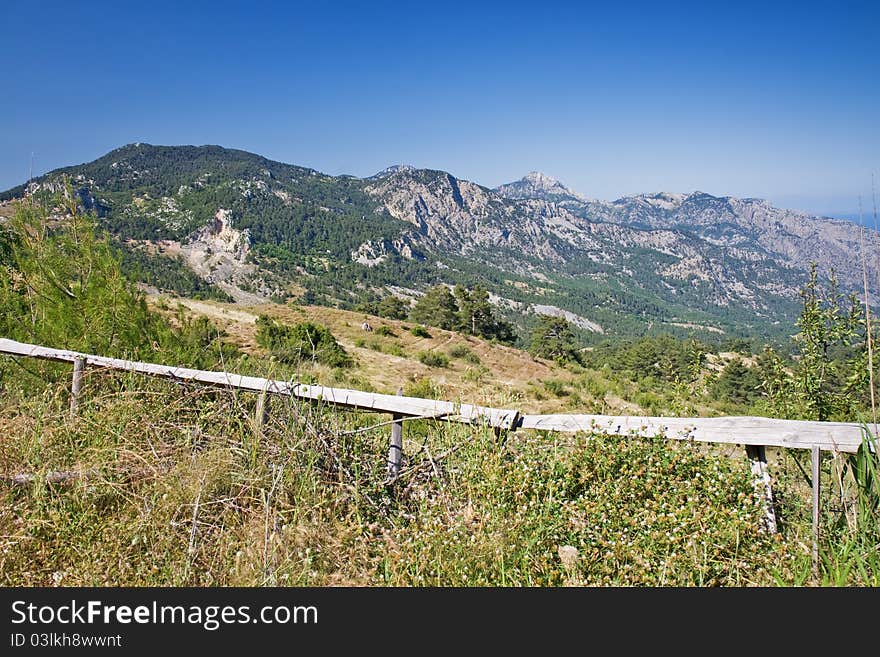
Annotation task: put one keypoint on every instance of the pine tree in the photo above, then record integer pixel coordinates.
(392, 307)
(554, 339)
(436, 308)
(61, 286)
(738, 383)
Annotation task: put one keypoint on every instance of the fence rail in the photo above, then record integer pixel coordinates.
(355, 399)
(755, 433)
(739, 430)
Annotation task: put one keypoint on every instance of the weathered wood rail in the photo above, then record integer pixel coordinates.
(353, 399)
(738, 430)
(755, 433)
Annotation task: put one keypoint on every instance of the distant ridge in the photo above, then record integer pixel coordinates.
(663, 261)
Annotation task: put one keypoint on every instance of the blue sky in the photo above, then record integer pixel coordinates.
(775, 100)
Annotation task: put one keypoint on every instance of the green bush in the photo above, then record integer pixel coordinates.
(464, 352)
(420, 331)
(385, 330)
(301, 342)
(433, 359)
(476, 374)
(424, 388)
(556, 387)
(392, 348)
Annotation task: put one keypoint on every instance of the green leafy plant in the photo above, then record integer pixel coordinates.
(423, 388)
(828, 379)
(433, 359)
(865, 467)
(556, 387)
(420, 331)
(301, 342)
(465, 353)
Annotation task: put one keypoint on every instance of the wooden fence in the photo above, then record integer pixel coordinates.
(755, 433)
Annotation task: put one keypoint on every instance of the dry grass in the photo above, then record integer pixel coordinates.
(506, 372)
(182, 489)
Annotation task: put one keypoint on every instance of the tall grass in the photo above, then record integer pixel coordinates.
(180, 486)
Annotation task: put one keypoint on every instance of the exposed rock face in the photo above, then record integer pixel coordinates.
(676, 239)
(538, 185)
(374, 252)
(577, 320)
(678, 259)
(219, 237)
(442, 208)
(217, 252)
(748, 230)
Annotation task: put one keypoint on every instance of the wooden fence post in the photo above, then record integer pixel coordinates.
(395, 450)
(79, 366)
(817, 454)
(261, 413)
(758, 456)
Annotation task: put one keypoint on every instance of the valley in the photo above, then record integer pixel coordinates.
(257, 230)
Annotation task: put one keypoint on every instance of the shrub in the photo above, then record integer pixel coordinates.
(385, 331)
(395, 350)
(424, 388)
(465, 353)
(420, 331)
(433, 359)
(300, 342)
(556, 387)
(392, 348)
(476, 374)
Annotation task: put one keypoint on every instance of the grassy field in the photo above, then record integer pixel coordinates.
(178, 485)
(475, 370)
(162, 483)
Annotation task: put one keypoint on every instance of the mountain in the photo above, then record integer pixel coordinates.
(747, 230)
(541, 186)
(260, 229)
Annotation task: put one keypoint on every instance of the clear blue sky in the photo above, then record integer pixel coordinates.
(775, 100)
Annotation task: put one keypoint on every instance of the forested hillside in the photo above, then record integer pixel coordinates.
(164, 483)
(253, 229)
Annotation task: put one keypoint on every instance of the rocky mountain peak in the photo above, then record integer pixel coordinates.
(537, 185)
(737, 262)
(661, 200)
(394, 168)
(542, 181)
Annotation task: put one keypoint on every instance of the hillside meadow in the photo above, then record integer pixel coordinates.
(162, 483)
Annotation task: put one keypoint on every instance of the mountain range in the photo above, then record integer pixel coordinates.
(661, 262)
